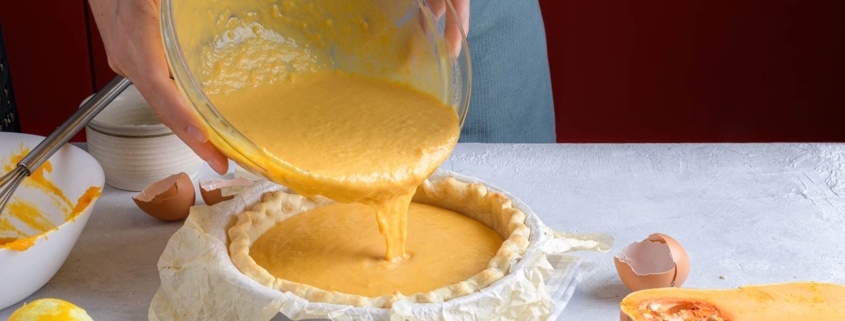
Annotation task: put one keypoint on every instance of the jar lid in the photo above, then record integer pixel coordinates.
(128, 115)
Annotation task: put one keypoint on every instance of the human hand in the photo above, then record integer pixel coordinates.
(453, 31)
(132, 36)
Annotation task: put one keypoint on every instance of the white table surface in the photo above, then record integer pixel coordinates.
(755, 213)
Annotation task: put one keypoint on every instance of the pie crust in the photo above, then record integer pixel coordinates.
(473, 200)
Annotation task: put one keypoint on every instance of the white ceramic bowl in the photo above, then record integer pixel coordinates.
(134, 147)
(73, 172)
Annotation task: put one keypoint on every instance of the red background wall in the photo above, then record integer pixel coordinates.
(49, 59)
(697, 70)
(622, 71)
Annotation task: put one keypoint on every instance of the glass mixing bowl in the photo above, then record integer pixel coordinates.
(405, 44)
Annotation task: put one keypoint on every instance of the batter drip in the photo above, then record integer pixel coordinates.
(361, 139)
(369, 134)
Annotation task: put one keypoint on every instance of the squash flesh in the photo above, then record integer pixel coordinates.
(773, 302)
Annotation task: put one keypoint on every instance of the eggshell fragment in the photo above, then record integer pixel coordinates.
(656, 262)
(679, 255)
(212, 190)
(169, 199)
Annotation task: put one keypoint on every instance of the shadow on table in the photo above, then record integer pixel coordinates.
(612, 293)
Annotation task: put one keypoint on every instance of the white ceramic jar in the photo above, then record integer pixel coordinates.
(134, 147)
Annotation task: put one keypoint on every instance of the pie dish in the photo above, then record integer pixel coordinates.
(471, 199)
(199, 280)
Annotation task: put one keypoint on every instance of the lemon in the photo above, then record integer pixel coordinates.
(50, 310)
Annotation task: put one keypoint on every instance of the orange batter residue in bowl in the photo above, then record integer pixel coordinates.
(38, 178)
(28, 213)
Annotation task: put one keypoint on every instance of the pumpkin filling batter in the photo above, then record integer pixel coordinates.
(374, 141)
(344, 103)
(329, 252)
(337, 248)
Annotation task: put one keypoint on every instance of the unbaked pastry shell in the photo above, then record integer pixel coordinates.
(473, 200)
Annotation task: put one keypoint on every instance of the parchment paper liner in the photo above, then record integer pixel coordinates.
(199, 281)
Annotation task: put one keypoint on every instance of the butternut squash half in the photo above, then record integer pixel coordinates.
(774, 302)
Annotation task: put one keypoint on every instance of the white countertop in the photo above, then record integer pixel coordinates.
(755, 213)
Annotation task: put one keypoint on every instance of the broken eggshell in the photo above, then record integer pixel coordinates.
(656, 262)
(212, 191)
(169, 199)
(679, 255)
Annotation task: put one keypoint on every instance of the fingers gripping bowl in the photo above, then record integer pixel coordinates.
(44, 219)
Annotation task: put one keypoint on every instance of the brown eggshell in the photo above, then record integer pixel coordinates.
(169, 199)
(211, 190)
(646, 265)
(679, 255)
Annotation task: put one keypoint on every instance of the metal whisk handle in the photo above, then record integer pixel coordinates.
(74, 124)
